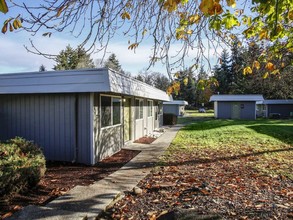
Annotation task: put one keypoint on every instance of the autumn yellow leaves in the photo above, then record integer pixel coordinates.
(3, 6)
(11, 24)
(269, 66)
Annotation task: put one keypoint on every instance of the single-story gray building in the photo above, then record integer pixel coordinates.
(235, 106)
(175, 107)
(272, 107)
(78, 115)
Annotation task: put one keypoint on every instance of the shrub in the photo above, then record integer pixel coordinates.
(22, 164)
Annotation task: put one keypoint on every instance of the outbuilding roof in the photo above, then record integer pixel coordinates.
(278, 102)
(176, 102)
(78, 81)
(234, 98)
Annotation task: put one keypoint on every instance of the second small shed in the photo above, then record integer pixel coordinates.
(283, 107)
(176, 107)
(235, 106)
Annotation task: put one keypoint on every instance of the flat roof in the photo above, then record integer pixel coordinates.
(176, 102)
(232, 98)
(78, 81)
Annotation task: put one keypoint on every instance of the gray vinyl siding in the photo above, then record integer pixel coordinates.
(283, 109)
(139, 128)
(48, 120)
(249, 110)
(108, 140)
(150, 125)
(171, 109)
(58, 123)
(84, 132)
(224, 110)
(111, 141)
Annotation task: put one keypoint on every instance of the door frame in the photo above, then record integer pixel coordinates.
(235, 110)
(127, 100)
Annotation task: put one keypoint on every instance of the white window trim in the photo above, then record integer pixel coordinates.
(111, 124)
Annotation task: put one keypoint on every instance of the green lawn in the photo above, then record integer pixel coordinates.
(232, 169)
(194, 115)
(268, 142)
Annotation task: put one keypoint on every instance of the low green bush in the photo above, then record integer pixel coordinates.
(22, 164)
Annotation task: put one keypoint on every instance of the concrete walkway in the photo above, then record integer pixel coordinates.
(86, 202)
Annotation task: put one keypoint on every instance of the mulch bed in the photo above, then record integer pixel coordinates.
(145, 140)
(226, 189)
(61, 177)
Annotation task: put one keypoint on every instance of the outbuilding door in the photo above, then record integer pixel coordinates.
(235, 113)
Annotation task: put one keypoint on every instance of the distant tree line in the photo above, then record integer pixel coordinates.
(78, 58)
(272, 82)
(230, 75)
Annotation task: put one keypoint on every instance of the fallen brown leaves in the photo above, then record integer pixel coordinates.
(60, 178)
(228, 188)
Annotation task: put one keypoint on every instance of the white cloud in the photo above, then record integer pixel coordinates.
(15, 58)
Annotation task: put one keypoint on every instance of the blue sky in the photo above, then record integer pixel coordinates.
(15, 58)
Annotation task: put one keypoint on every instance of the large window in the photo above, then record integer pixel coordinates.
(150, 108)
(110, 111)
(138, 109)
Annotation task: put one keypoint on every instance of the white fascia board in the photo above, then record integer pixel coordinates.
(176, 102)
(128, 86)
(70, 81)
(75, 81)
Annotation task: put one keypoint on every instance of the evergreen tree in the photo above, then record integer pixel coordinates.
(237, 65)
(262, 81)
(187, 87)
(42, 68)
(202, 95)
(155, 79)
(113, 63)
(223, 74)
(73, 59)
(161, 81)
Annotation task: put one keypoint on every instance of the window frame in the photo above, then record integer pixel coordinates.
(150, 108)
(160, 108)
(112, 111)
(139, 109)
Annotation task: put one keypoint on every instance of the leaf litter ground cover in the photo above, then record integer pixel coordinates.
(230, 169)
(60, 178)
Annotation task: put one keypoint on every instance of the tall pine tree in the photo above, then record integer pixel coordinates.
(113, 63)
(187, 87)
(223, 74)
(73, 59)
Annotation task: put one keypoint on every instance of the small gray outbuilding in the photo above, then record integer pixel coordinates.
(78, 115)
(175, 107)
(281, 107)
(235, 106)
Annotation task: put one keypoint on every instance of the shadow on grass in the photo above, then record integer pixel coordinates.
(281, 132)
(229, 158)
(208, 124)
